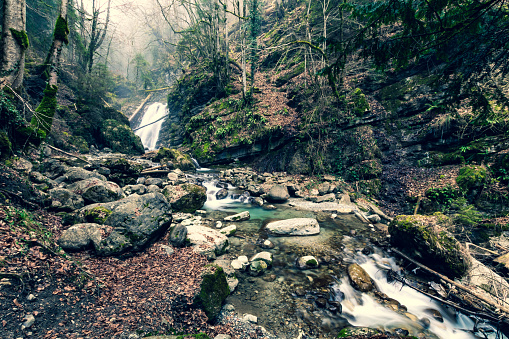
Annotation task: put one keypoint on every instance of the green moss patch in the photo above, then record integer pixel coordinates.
(97, 215)
(61, 30)
(121, 138)
(21, 38)
(43, 118)
(471, 177)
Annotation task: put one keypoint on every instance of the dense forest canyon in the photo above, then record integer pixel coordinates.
(254, 169)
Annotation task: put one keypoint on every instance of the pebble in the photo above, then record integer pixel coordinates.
(169, 250)
(219, 224)
(29, 321)
(202, 212)
(300, 291)
(31, 297)
(269, 277)
(229, 307)
(250, 318)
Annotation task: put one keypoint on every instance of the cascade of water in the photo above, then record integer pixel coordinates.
(361, 309)
(150, 134)
(196, 163)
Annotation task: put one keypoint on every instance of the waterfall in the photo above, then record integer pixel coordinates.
(154, 118)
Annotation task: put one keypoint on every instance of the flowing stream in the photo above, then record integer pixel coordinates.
(286, 300)
(153, 120)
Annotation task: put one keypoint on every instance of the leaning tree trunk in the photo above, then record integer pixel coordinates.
(43, 119)
(14, 43)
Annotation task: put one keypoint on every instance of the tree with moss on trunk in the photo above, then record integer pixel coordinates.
(43, 117)
(14, 43)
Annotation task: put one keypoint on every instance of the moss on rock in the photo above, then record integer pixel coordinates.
(121, 138)
(179, 159)
(471, 177)
(97, 215)
(186, 198)
(425, 239)
(213, 291)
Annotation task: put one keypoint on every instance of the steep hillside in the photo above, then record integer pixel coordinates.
(382, 126)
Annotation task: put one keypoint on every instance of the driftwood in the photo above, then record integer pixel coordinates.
(476, 313)
(141, 106)
(69, 154)
(456, 284)
(152, 169)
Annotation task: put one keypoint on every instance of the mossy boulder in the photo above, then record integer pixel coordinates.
(426, 239)
(185, 198)
(120, 138)
(471, 178)
(175, 157)
(135, 222)
(213, 291)
(97, 215)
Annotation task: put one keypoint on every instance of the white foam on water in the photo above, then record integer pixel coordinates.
(363, 310)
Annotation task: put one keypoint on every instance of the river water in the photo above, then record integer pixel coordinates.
(289, 301)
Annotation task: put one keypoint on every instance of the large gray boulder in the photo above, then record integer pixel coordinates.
(97, 191)
(137, 221)
(207, 241)
(296, 226)
(186, 198)
(65, 200)
(75, 174)
(278, 194)
(80, 237)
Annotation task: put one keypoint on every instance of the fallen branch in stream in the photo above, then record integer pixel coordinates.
(152, 169)
(458, 285)
(141, 106)
(156, 172)
(476, 313)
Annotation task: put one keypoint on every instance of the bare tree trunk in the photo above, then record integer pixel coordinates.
(14, 43)
(59, 39)
(97, 34)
